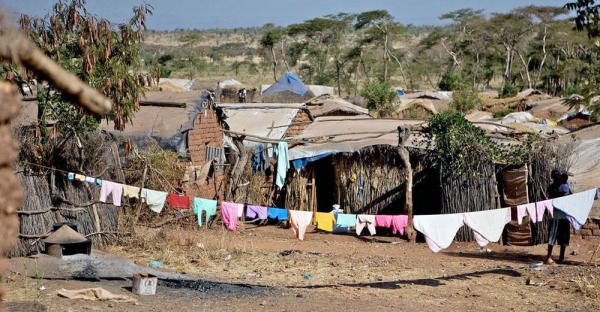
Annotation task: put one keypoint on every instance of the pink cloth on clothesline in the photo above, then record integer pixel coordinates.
(399, 223)
(111, 187)
(522, 210)
(544, 205)
(383, 221)
(229, 211)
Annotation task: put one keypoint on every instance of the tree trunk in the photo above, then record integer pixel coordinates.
(403, 134)
(238, 169)
(539, 74)
(337, 73)
(507, 62)
(274, 64)
(401, 69)
(526, 66)
(385, 56)
(287, 66)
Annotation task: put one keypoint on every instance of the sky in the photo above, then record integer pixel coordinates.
(198, 14)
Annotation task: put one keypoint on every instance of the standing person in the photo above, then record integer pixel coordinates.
(242, 95)
(560, 229)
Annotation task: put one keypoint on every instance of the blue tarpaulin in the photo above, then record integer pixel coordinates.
(287, 82)
(299, 163)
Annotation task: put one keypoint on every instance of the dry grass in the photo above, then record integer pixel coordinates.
(588, 283)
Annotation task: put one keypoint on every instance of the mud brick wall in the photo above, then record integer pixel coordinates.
(590, 228)
(206, 132)
(299, 123)
(11, 192)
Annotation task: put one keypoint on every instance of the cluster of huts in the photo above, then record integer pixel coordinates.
(339, 154)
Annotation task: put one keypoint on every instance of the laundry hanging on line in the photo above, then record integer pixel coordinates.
(154, 199)
(178, 201)
(207, 205)
(259, 212)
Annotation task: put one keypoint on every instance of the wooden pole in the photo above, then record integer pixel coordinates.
(403, 134)
(139, 205)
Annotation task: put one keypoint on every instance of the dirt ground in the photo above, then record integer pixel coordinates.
(268, 269)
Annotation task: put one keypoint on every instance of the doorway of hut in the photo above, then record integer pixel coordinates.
(325, 184)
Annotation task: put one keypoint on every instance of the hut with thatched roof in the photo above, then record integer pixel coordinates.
(421, 108)
(228, 92)
(287, 89)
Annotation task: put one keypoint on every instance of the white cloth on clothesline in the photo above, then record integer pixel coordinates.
(439, 230)
(487, 225)
(576, 206)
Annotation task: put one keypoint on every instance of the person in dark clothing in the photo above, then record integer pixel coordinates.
(560, 229)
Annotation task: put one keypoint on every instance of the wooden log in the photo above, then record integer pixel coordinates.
(162, 104)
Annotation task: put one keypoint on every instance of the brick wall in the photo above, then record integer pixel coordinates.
(299, 123)
(206, 132)
(590, 228)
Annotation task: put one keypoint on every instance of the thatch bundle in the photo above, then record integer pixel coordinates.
(284, 97)
(229, 94)
(298, 191)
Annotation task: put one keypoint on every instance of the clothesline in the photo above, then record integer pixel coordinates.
(45, 167)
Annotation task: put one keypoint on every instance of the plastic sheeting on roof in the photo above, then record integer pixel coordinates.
(327, 104)
(167, 126)
(229, 82)
(586, 169)
(438, 95)
(518, 117)
(287, 82)
(320, 90)
(268, 121)
(185, 84)
(370, 132)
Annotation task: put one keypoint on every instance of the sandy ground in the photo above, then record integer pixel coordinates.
(270, 270)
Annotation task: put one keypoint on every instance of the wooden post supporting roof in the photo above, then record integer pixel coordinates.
(403, 134)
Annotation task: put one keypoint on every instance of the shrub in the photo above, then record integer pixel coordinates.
(451, 81)
(465, 99)
(509, 90)
(380, 97)
(503, 112)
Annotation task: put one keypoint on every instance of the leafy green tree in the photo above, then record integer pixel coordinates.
(380, 97)
(269, 40)
(451, 81)
(191, 39)
(465, 99)
(380, 28)
(103, 54)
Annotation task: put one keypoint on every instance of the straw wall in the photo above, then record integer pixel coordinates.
(383, 181)
(51, 197)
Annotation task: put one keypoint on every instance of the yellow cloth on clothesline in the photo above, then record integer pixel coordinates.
(131, 191)
(324, 221)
